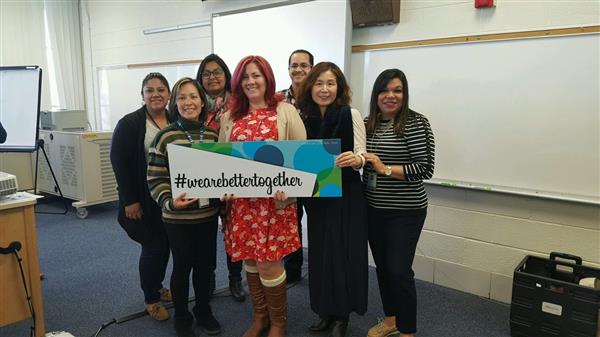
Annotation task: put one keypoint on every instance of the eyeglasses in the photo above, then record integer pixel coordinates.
(304, 66)
(215, 73)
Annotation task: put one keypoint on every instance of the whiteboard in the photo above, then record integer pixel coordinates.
(119, 89)
(520, 115)
(20, 88)
(274, 32)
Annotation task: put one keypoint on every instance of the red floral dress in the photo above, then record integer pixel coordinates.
(257, 229)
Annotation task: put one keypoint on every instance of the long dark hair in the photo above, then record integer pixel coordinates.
(380, 85)
(221, 63)
(307, 105)
(173, 111)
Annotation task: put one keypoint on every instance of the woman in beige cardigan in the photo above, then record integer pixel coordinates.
(261, 231)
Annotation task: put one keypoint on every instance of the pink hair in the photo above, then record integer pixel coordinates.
(238, 102)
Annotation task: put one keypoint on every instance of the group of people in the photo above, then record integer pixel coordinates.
(385, 207)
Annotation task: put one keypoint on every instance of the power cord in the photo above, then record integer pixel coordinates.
(222, 292)
(13, 248)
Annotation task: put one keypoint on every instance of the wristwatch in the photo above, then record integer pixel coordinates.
(387, 171)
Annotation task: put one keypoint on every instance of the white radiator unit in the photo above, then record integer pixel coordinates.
(81, 163)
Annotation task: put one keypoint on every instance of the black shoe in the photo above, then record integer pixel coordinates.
(212, 285)
(237, 290)
(339, 329)
(184, 327)
(322, 325)
(208, 324)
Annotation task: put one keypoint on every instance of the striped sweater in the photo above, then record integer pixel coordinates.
(415, 149)
(159, 181)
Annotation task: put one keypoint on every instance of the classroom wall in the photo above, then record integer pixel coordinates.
(472, 239)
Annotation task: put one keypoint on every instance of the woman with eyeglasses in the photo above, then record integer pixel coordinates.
(400, 156)
(191, 223)
(337, 227)
(214, 76)
(261, 231)
(138, 214)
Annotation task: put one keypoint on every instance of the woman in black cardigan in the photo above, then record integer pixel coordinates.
(138, 213)
(337, 227)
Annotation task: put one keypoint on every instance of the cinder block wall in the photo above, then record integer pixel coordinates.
(473, 240)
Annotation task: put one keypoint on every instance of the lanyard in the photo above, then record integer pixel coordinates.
(187, 134)
(152, 119)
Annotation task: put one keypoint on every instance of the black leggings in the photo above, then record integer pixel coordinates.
(393, 236)
(193, 247)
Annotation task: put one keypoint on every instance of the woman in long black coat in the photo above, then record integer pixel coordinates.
(337, 227)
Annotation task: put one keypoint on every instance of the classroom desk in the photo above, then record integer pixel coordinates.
(17, 223)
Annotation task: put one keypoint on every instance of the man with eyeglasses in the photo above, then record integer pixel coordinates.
(299, 64)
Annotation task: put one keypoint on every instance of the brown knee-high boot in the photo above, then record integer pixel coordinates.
(260, 321)
(277, 305)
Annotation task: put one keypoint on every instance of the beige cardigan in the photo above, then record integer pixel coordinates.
(289, 127)
(289, 124)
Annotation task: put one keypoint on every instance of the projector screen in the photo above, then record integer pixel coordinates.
(321, 27)
(20, 89)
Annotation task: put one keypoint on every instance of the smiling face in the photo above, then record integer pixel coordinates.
(254, 85)
(213, 79)
(391, 98)
(324, 91)
(156, 95)
(189, 102)
(299, 67)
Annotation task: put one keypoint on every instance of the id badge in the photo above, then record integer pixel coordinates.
(203, 202)
(372, 181)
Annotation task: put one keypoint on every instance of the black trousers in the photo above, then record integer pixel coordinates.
(393, 237)
(193, 247)
(154, 258)
(293, 261)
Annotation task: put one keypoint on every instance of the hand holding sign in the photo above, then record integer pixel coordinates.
(182, 202)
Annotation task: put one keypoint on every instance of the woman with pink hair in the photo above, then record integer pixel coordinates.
(261, 231)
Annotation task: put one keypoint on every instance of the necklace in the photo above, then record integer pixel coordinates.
(152, 119)
(383, 128)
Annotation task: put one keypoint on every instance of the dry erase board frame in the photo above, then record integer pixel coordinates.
(520, 116)
(119, 87)
(273, 31)
(20, 96)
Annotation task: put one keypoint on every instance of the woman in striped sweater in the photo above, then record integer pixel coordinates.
(191, 224)
(400, 150)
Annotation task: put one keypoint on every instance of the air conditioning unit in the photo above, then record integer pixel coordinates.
(81, 163)
(374, 12)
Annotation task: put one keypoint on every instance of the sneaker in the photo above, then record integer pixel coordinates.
(208, 324)
(382, 330)
(157, 311)
(165, 295)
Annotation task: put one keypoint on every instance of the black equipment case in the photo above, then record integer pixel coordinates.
(547, 300)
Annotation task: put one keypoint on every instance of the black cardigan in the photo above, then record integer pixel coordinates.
(2, 134)
(336, 123)
(128, 160)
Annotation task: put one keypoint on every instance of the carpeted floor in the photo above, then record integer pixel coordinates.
(90, 269)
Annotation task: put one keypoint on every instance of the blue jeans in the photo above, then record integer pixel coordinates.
(153, 264)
